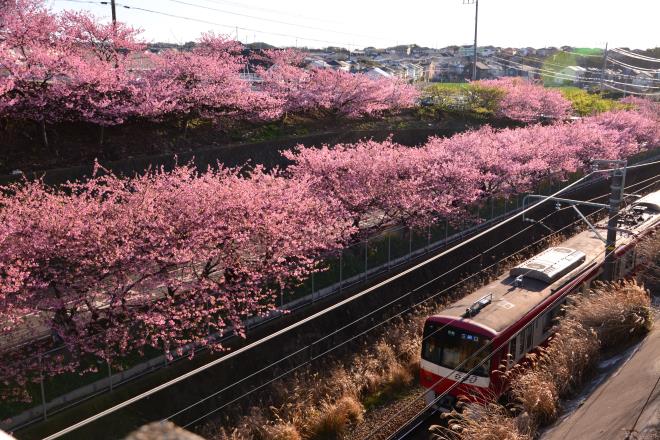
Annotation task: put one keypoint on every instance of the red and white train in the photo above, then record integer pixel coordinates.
(514, 314)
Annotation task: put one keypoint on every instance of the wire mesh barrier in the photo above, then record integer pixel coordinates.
(355, 265)
(378, 254)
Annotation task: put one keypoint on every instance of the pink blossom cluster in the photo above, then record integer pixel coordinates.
(165, 259)
(383, 182)
(327, 92)
(527, 101)
(71, 67)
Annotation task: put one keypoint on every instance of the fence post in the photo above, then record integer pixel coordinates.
(428, 237)
(43, 390)
(341, 254)
(410, 244)
(109, 374)
(389, 251)
(366, 258)
(446, 231)
(312, 286)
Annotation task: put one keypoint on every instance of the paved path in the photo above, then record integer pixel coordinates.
(625, 406)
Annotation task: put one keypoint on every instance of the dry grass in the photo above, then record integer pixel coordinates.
(617, 312)
(648, 254)
(324, 401)
(609, 316)
(321, 401)
(488, 422)
(331, 420)
(556, 371)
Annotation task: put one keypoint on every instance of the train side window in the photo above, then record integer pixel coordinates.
(528, 338)
(521, 345)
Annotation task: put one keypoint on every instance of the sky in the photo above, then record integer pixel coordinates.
(356, 24)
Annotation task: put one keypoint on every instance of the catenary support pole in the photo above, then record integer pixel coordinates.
(616, 196)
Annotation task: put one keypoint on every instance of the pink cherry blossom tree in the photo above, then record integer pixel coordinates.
(327, 92)
(162, 260)
(34, 59)
(527, 101)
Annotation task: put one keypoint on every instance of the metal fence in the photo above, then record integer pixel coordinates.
(355, 264)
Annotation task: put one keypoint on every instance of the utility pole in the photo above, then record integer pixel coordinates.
(476, 19)
(602, 70)
(114, 12)
(616, 197)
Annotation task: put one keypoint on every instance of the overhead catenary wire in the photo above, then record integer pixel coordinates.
(480, 363)
(410, 308)
(297, 324)
(292, 326)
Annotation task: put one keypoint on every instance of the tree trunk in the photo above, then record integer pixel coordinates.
(185, 129)
(44, 135)
(101, 136)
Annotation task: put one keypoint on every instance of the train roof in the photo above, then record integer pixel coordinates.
(651, 201)
(510, 303)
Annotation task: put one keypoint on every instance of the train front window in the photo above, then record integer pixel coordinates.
(456, 349)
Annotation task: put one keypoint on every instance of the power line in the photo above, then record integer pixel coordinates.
(548, 63)
(279, 21)
(478, 352)
(274, 11)
(631, 91)
(636, 55)
(558, 75)
(198, 20)
(630, 66)
(296, 324)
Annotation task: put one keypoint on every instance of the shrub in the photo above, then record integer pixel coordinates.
(475, 422)
(648, 253)
(615, 311)
(332, 419)
(600, 319)
(282, 431)
(587, 104)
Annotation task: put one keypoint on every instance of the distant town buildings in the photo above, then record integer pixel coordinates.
(413, 63)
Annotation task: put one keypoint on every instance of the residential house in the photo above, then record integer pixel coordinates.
(570, 75)
(546, 51)
(316, 63)
(377, 73)
(339, 65)
(484, 71)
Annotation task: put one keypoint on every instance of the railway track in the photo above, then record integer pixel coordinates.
(171, 400)
(418, 428)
